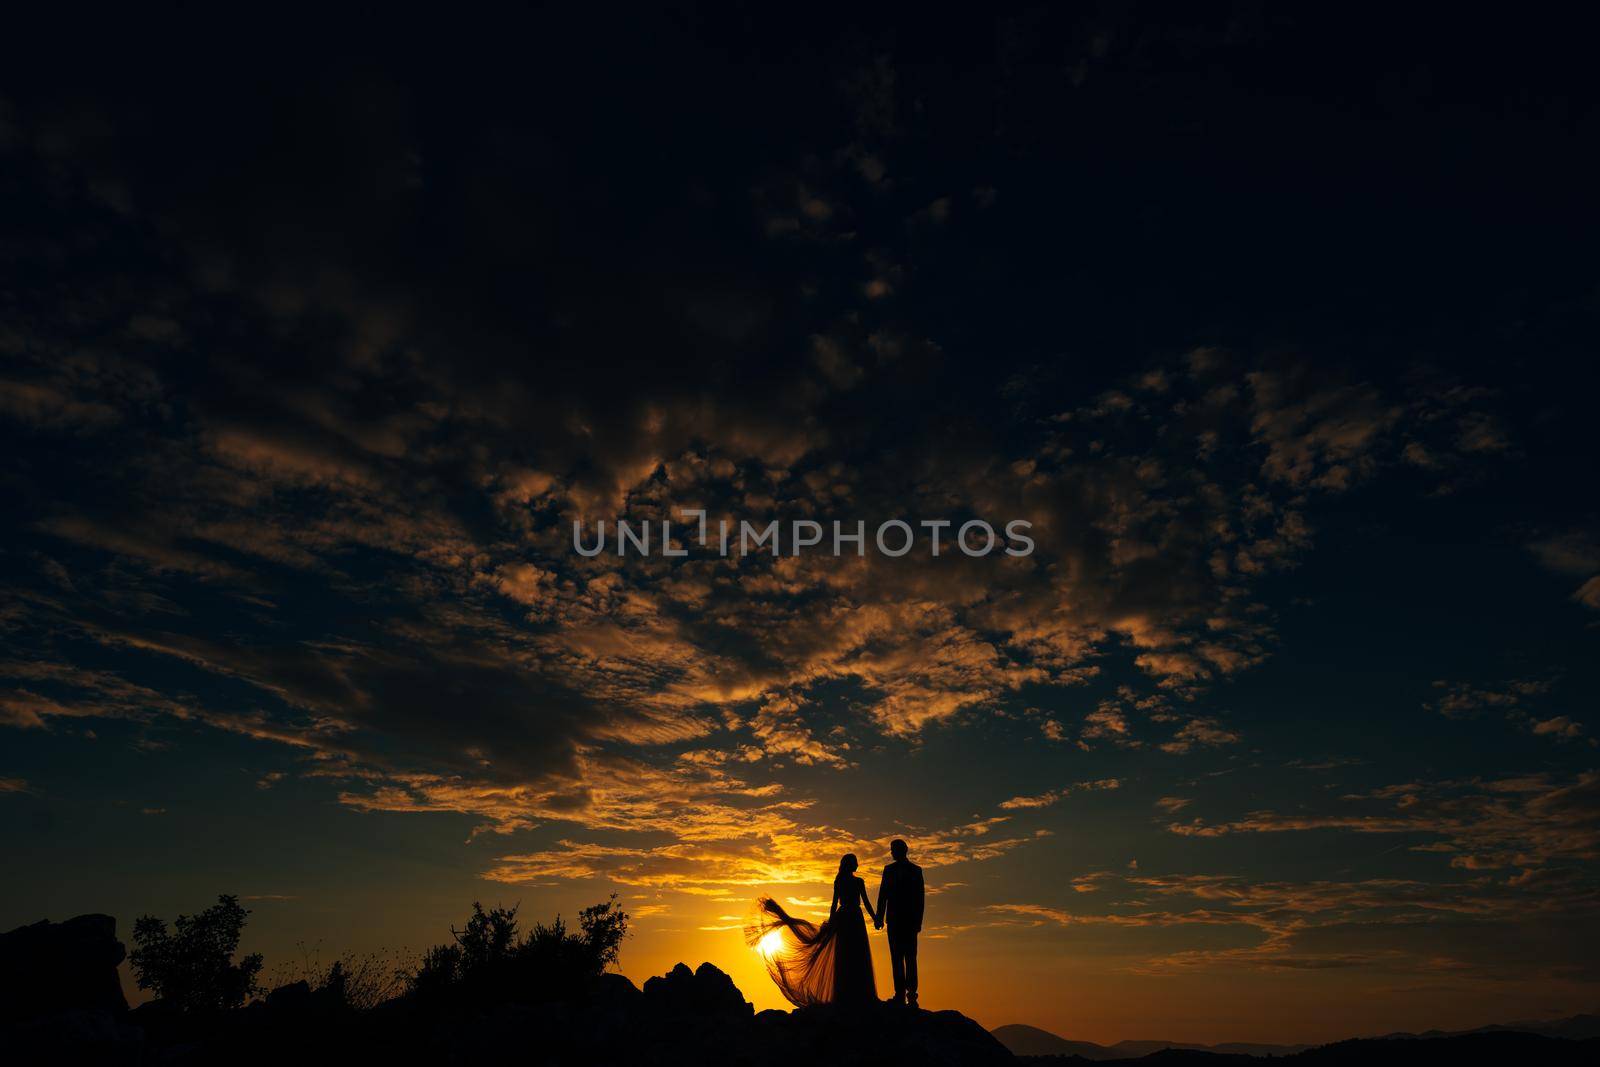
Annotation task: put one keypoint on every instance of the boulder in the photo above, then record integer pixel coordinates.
(295, 996)
(706, 991)
(878, 1033)
(614, 990)
(54, 968)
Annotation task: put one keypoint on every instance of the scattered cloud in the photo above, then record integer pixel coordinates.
(1043, 800)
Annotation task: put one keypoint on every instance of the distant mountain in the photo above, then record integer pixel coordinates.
(1575, 1028)
(1572, 1028)
(1127, 1050)
(1032, 1041)
(1486, 1046)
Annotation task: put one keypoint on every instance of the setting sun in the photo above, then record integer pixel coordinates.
(771, 944)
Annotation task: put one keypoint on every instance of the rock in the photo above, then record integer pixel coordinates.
(295, 996)
(950, 1037)
(702, 992)
(51, 968)
(615, 990)
(876, 1033)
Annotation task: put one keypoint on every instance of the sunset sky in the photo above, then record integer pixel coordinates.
(1279, 328)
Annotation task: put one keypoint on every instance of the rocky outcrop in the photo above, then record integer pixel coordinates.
(49, 969)
(879, 1034)
(701, 992)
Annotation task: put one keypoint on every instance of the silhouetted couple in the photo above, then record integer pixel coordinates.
(832, 963)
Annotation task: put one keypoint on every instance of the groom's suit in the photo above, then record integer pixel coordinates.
(900, 908)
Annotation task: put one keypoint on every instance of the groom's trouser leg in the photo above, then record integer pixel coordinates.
(903, 960)
(910, 950)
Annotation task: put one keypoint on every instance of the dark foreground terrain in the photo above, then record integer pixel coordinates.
(1532, 1041)
(1498, 1047)
(61, 1002)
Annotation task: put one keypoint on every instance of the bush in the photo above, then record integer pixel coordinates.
(192, 966)
(489, 960)
(352, 982)
(440, 970)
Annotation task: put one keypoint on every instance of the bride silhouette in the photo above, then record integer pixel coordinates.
(827, 964)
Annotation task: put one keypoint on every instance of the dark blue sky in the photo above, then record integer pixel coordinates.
(1278, 326)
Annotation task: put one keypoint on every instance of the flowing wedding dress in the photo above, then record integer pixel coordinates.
(827, 964)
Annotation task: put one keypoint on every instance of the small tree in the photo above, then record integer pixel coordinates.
(192, 965)
(604, 926)
(489, 938)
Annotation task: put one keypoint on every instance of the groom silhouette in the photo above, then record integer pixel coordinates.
(900, 905)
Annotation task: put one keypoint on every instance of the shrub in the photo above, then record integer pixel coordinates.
(488, 959)
(440, 970)
(351, 981)
(192, 965)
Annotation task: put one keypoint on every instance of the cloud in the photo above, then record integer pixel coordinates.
(1516, 701)
(1460, 699)
(45, 406)
(761, 847)
(1316, 433)
(1381, 924)
(507, 680)
(1576, 553)
(1094, 883)
(1199, 732)
(927, 642)
(1588, 594)
(523, 582)
(1046, 799)
(1106, 722)
(1491, 824)
(1560, 726)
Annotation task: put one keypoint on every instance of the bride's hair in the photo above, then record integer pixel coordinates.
(847, 865)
